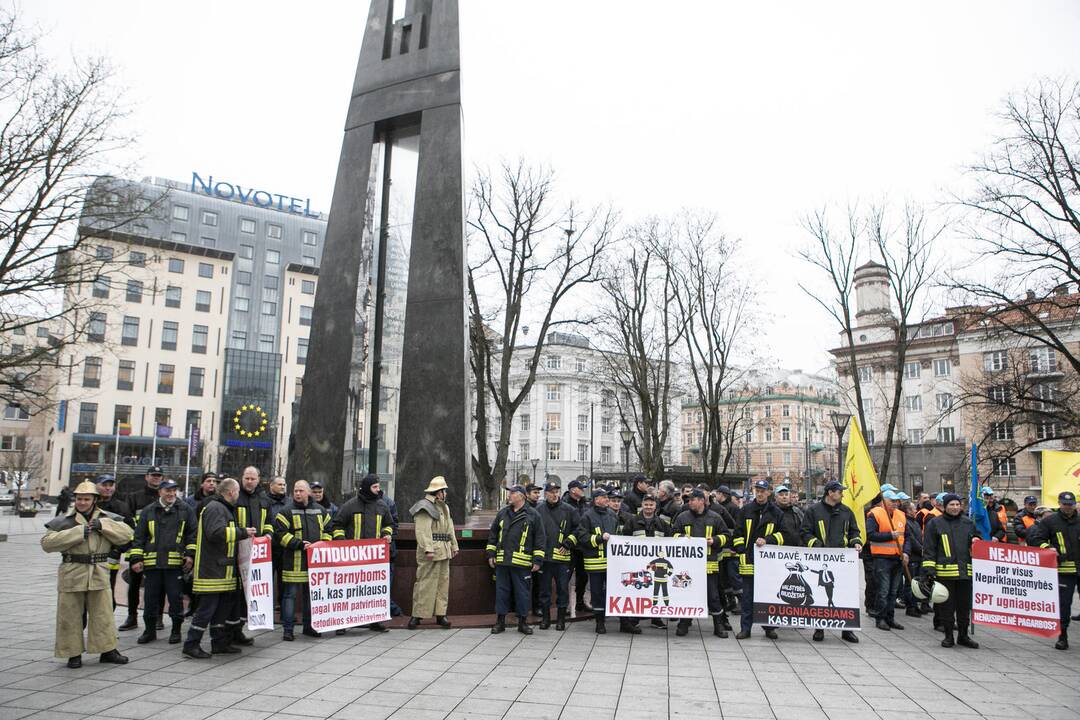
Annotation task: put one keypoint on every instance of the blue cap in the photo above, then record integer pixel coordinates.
(599, 492)
(1066, 498)
(615, 493)
(724, 489)
(782, 488)
(102, 479)
(888, 486)
(890, 495)
(988, 490)
(515, 489)
(575, 484)
(167, 483)
(762, 485)
(1030, 499)
(940, 496)
(902, 496)
(835, 485)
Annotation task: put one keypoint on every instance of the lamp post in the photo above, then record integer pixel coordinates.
(840, 423)
(627, 438)
(535, 462)
(810, 426)
(547, 449)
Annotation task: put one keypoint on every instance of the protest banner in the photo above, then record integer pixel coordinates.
(349, 583)
(656, 577)
(257, 577)
(800, 587)
(1015, 588)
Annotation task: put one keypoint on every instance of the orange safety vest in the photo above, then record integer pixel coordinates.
(892, 548)
(1028, 522)
(1003, 518)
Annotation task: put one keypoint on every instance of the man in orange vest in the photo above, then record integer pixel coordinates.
(999, 519)
(885, 526)
(1025, 518)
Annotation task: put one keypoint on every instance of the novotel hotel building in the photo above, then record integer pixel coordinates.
(203, 323)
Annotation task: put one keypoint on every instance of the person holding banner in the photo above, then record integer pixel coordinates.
(436, 545)
(831, 524)
(758, 524)
(699, 521)
(648, 523)
(515, 550)
(598, 523)
(885, 526)
(1061, 531)
(947, 559)
(300, 523)
(364, 517)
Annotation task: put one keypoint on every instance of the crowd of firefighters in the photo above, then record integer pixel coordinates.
(542, 543)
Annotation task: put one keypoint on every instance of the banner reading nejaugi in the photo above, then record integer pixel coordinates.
(349, 583)
(656, 577)
(807, 587)
(257, 576)
(1015, 588)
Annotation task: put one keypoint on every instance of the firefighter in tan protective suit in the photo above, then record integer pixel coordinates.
(436, 544)
(84, 537)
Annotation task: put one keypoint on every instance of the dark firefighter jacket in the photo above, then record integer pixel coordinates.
(641, 526)
(118, 506)
(632, 501)
(755, 521)
(215, 547)
(138, 499)
(293, 526)
(559, 521)
(516, 537)
(363, 519)
(831, 526)
(791, 519)
(580, 505)
(253, 510)
(589, 537)
(947, 546)
(704, 525)
(1062, 534)
(669, 508)
(163, 536)
(913, 542)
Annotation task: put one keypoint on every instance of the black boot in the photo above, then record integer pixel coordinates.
(658, 623)
(132, 623)
(75, 661)
(545, 618)
(223, 648)
(718, 626)
(1063, 641)
(948, 642)
(523, 626)
(724, 622)
(499, 626)
(770, 633)
(601, 628)
(193, 650)
(626, 626)
(442, 621)
(114, 657)
(239, 638)
(377, 627)
(849, 636)
(150, 633)
(819, 635)
(414, 622)
(964, 640)
(174, 634)
(682, 628)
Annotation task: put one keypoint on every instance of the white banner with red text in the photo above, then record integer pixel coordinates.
(656, 577)
(1015, 588)
(257, 576)
(349, 583)
(801, 587)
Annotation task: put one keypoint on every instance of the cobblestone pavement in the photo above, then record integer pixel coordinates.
(473, 674)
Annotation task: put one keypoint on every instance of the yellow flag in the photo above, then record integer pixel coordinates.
(859, 477)
(1060, 472)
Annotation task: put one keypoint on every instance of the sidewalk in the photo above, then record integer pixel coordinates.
(470, 673)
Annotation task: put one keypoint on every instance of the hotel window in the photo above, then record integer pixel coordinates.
(163, 417)
(96, 327)
(121, 414)
(579, 365)
(202, 301)
(310, 238)
(180, 212)
(270, 282)
(785, 433)
(91, 372)
(242, 304)
(301, 351)
(173, 295)
(273, 257)
(238, 341)
(305, 314)
(554, 362)
(134, 291)
(166, 374)
(583, 452)
(209, 218)
(768, 434)
(206, 270)
(176, 265)
(243, 277)
(247, 225)
(178, 237)
(605, 424)
(125, 376)
(785, 411)
(104, 252)
(196, 380)
(583, 423)
(307, 287)
(200, 335)
(269, 308)
(266, 343)
(137, 258)
(170, 331)
(605, 454)
(523, 450)
(247, 251)
(88, 417)
(129, 333)
(308, 260)
(273, 231)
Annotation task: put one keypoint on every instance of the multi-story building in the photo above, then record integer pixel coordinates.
(205, 327)
(776, 426)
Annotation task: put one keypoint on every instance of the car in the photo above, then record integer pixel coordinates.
(7, 495)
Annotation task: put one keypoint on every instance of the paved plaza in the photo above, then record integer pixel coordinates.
(472, 674)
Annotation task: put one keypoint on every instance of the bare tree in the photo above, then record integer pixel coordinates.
(533, 254)
(58, 140)
(642, 331)
(23, 466)
(715, 302)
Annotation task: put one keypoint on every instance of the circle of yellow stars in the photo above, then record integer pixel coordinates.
(260, 415)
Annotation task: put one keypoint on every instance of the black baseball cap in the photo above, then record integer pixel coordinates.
(615, 493)
(599, 492)
(531, 486)
(576, 484)
(210, 474)
(1030, 499)
(316, 485)
(516, 489)
(155, 470)
(724, 489)
(697, 493)
(552, 486)
(102, 479)
(835, 485)
(1066, 498)
(167, 483)
(762, 485)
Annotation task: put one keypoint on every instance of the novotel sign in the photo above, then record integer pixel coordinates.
(251, 196)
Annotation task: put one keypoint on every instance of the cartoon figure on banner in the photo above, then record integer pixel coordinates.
(795, 590)
(827, 580)
(661, 569)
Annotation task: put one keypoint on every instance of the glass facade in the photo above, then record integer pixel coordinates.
(249, 410)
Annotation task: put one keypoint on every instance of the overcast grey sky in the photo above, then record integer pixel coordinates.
(761, 111)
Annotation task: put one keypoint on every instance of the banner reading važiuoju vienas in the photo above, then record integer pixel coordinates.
(1015, 588)
(656, 577)
(349, 583)
(807, 587)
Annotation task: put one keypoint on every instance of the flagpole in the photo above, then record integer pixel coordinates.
(116, 456)
(187, 470)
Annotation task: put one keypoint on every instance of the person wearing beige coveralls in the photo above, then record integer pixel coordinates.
(84, 536)
(436, 543)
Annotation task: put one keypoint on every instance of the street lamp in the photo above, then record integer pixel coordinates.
(535, 462)
(840, 423)
(627, 438)
(810, 426)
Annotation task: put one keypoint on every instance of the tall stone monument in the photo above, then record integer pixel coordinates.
(385, 383)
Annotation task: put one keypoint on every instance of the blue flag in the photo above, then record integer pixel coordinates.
(976, 509)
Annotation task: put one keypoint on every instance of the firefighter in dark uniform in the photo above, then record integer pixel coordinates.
(252, 510)
(515, 550)
(729, 560)
(831, 524)
(699, 521)
(1061, 531)
(136, 501)
(216, 572)
(163, 550)
(648, 523)
(560, 520)
(947, 559)
(110, 502)
(575, 498)
(632, 500)
(597, 525)
(1025, 518)
(615, 504)
(300, 523)
(364, 517)
(758, 524)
